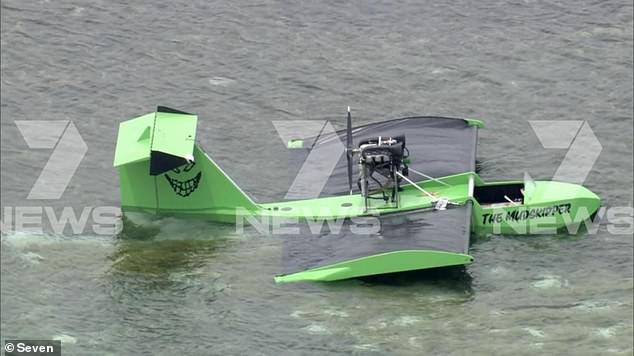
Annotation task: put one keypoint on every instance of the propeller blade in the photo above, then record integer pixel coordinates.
(349, 131)
(349, 149)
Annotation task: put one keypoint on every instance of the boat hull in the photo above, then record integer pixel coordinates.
(552, 207)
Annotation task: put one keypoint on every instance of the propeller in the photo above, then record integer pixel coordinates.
(349, 152)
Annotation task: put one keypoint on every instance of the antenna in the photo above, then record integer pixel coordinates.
(349, 152)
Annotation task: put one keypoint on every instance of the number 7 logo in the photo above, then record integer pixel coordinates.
(577, 136)
(68, 150)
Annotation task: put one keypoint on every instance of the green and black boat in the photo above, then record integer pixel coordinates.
(415, 203)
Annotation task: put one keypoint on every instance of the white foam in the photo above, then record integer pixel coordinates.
(366, 347)
(378, 325)
(406, 320)
(23, 240)
(535, 332)
(337, 313)
(298, 314)
(415, 342)
(316, 329)
(605, 332)
(442, 70)
(550, 281)
(495, 331)
(495, 312)
(32, 257)
(77, 11)
(595, 305)
(499, 270)
(221, 81)
(65, 339)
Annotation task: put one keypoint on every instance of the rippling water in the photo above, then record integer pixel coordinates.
(198, 288)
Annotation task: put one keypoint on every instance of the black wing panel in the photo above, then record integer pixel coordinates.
(438, 147)
(442, 230)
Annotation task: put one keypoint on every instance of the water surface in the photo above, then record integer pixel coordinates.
(197, 288)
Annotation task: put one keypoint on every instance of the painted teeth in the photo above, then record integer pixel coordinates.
(184, 188)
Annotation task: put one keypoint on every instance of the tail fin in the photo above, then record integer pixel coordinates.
(162, 169)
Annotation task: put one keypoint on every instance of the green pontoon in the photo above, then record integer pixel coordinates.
(403, 196)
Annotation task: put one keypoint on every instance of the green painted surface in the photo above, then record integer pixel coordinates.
(216, 195)
(174, 134)
(137, 186)
(134, 140)
(353, 205)
(550, 207)
(475, 122)
(296, 143)
(198, 189)
(203, 190)
(390, 262)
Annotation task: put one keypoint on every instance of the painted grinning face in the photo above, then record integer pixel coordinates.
(179, 182)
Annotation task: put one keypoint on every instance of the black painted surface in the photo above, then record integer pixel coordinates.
(437, 146)
(444, 230)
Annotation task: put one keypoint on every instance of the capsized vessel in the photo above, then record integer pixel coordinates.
(416, 201)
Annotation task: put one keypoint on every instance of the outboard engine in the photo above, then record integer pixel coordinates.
(384, 156)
